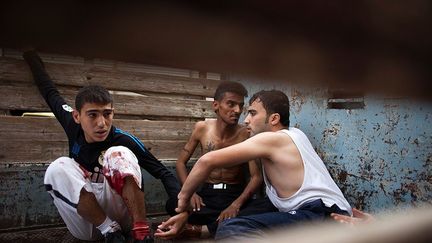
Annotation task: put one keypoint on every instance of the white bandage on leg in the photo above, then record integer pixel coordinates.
(120, 162)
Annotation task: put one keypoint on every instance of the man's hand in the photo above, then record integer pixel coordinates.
(172, 227)
(196, 202)
(229, 212)
(358, 217)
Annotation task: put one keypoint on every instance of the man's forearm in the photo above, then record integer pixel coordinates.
(197, 176)
(249, 190)
(181, 163)
(181, 172)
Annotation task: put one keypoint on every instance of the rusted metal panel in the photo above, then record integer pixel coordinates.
(22, 201)
(384, 150)
(380, 156)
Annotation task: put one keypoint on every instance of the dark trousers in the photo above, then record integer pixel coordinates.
(217, 200)
(248, 225)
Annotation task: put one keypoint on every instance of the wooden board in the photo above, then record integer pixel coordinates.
(84, 74)
(30, 139)
(44, 151)
(27, 97)
(172, 103)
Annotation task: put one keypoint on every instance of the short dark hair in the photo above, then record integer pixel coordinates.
(274, 101)
(229, 86)
(92, 94)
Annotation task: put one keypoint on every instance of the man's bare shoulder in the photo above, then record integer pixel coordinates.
(272, 138)
(204, 125)
(202, 129)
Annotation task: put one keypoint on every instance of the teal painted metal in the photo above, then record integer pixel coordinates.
(380, 156)
(23, 200)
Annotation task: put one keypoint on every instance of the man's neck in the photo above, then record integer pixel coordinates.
(224, 130)
(278, 128)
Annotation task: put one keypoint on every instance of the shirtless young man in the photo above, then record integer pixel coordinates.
(297, 181)
(224, 192)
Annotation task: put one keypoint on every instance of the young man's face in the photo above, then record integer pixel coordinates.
(95, 120)
(229, 108)
(257, 120)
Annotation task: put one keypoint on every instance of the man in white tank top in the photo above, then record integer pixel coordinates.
(297, 181)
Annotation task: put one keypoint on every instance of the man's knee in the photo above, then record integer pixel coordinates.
(229, 222)
(120, 162)
(59, 168)
(120, 152)
(236, 227)
(227, 228)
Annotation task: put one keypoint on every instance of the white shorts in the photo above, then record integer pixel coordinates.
(65, 178)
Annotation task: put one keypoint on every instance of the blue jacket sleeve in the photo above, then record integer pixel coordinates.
(152, 165)
(158, 170)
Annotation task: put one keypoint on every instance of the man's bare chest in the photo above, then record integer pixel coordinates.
(212, 143)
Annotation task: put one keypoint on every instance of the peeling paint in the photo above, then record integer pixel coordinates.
(296, 100)
(342, 176)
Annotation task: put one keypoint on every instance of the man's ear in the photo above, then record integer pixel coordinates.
(76, 116)
(215, 106)
(274, 119)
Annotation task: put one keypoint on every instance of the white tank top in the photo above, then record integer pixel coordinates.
(317, 182)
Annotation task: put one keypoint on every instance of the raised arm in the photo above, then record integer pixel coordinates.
(47, 89)
(259, 146)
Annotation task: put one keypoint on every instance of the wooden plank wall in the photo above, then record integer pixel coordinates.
(161, 110)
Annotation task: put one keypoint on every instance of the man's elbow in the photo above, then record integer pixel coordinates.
(206, 162)
(256, 180)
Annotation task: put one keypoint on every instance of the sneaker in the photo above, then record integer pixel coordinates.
(115, 237)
